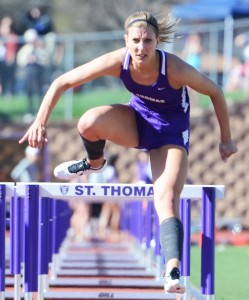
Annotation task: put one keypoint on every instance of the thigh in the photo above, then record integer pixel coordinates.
(116, 123)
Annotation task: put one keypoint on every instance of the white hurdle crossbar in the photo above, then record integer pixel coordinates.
(105, 192)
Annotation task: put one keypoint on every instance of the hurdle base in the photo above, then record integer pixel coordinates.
(28, 295)
(17, 286)
(110, 294)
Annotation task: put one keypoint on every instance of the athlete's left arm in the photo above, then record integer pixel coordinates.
(180, 73)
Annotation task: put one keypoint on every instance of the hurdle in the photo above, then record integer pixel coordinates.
(60, 192)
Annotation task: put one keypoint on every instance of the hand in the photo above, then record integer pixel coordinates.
(227, 149)
(35, 135)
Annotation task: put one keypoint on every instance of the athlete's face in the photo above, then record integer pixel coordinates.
(142, 42)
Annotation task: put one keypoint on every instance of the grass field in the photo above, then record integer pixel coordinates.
(15, 108)
(231, 271)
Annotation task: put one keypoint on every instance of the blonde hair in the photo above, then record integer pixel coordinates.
(163, 27)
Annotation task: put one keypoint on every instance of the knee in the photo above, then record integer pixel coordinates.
(86, 124)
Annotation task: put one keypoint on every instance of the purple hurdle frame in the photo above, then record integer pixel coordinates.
(104, 192)
(2, 239)
(16, 241)
(185, 215)
(44, 233)
(31, 213)
(208, 241)
(6, 190)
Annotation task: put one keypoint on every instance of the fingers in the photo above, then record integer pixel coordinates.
(223, 158)
(40, 134)
(24, 138)
(224, 155)
(226, 152)
(35, 136)
(41, 137)
(33, 141)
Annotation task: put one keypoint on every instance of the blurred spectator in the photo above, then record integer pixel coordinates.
(239, 76)
(35, 19)
(192, 54)
(236, 77)
(8, 50)
(32, 61)
(27, 169)
(192, 50)
(56, 52)
(2, 64)
(144, 170)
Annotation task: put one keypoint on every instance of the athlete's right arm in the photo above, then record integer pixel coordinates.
(106, 65)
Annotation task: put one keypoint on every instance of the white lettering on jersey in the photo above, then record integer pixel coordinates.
(150, 98)
(185, 136)
(185, 105)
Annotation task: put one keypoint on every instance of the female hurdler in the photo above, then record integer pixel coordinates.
(156, 119)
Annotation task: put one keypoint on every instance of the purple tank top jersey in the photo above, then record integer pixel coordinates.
(162, 112)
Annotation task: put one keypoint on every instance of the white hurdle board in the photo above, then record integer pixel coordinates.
(105, 192)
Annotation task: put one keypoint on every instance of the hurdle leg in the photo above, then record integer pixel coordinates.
(130, 225)
(55, 264)
(54, 255)
(208, 242)
(148, 234)
(31, 240)
(17, 286)
(138, 228)
(124, 222)
(50, 225)
(158, 256)
(28, 296)
(16, 243)
(42, 286)
(43, 246)
(2, 239)
(185, 213)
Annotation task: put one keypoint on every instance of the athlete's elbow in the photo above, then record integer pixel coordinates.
(60, 84)
(216, 93)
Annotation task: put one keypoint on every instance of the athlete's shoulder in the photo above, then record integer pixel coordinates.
(111, 62)
(176, 64)
(180, 72)
(173, 58)
(116, 55)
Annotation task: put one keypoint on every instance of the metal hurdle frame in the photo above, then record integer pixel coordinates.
(6, 190)
(103, 192)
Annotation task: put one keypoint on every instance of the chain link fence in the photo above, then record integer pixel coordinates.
(57, 53)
